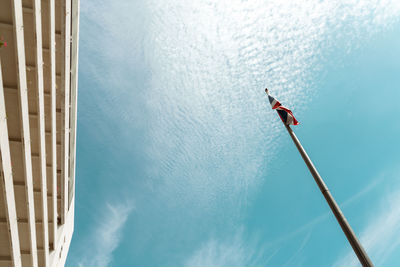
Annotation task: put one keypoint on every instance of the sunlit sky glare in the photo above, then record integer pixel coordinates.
(182, 162)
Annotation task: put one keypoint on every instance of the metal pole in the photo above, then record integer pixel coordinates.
(357, 247)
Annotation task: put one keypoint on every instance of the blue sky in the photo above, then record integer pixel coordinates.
(180, 160)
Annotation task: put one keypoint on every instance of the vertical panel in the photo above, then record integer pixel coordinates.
(74, 96)
(66, 84)
(24, 117)
(53, 114)
(8, 186)
(40, 104)
(59, 63)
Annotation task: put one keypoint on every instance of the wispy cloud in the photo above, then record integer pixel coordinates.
(234, 251)
(308, 227)
(296, 258)
(380, 237)
(210, 63)
(201, 94)
(206, 66)
(97, 249)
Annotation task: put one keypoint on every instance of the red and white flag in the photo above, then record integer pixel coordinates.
(285, 113)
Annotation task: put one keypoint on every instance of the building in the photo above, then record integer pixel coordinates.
(38, 96)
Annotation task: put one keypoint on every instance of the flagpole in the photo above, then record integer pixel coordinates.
(357, 247)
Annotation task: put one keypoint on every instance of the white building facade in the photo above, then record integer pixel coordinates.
(38, 105)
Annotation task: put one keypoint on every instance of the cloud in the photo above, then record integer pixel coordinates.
(191, 77)
(97, 249)
(238, 251)
(380, 237)
(211, 130)
(307, 228)
(234, 251)
(297, 257)
(204, 66)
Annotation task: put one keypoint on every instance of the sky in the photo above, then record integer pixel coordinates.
(182, 162)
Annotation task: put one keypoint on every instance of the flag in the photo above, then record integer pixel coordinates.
(285, 113)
